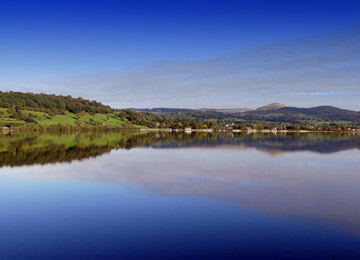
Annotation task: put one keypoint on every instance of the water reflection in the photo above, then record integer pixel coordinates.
(314, 183)
(204, 196)
(18, 150)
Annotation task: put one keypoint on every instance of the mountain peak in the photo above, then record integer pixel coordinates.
(272, 106)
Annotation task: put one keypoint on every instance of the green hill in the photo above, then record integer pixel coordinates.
(295, 114)
(50, 103)
(19, 109)
(272, 106)
(273, 113)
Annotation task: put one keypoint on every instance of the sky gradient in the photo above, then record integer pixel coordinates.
(193, 54)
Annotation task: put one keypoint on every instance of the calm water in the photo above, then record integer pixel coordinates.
(175, 196)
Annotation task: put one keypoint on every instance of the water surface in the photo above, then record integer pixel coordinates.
(180, 196)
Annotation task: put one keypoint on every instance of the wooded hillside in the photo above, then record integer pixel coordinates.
(50, 103)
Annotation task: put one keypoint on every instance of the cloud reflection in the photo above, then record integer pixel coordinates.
(303, 185)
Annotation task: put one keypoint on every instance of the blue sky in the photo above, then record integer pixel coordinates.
(184, 53)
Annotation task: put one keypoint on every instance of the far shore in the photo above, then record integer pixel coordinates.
(18, 129)
(240, 131)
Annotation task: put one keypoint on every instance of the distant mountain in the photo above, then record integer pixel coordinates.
(161, 110)
(226, 110)
(177, 110)
(271, 106)
(321, 113)
(274, 112)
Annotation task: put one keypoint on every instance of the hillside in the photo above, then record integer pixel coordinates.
(19, 109)
(161, 110)
(24, 117)
(294, 114)
(50, 103)
(226, 110)
(272, 106)
(276, 113)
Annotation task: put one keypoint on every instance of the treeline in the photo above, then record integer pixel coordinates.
(66, 128)
(324, 127)
(293, 115)
(162, 121)
(52, 104)
(17, 102)
(184, 120)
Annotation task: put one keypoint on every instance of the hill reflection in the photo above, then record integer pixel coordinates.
(315, 184)
(18, 150)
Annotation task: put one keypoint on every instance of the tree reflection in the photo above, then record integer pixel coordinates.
(22, 149)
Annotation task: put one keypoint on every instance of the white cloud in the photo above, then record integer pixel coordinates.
(305, 72)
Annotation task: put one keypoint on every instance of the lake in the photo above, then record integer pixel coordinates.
(179, 196)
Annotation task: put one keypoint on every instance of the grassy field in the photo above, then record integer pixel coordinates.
(43, 118)
(4, 118)
(4, 113)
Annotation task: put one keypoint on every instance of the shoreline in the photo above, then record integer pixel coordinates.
(5, 130)
(238, 131)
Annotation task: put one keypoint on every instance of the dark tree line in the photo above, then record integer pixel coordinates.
(52, 104)
(162, 121)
